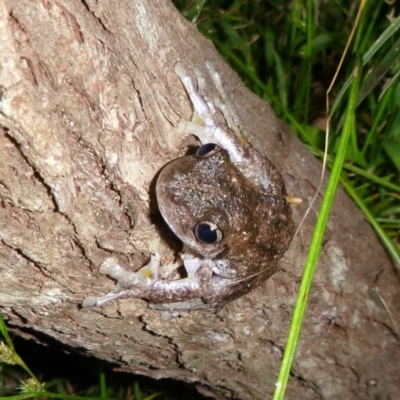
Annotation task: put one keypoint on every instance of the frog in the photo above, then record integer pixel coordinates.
(227, 203)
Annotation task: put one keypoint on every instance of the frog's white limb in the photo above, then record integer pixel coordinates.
(201, 109)
(231, 116)
(145, 283)
(204, 123)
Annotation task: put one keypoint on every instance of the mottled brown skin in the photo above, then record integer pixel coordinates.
(233, 189)
(257, 227)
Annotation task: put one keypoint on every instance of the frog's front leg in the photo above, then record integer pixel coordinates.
(147, 284)
(204, 123)
(229, 134)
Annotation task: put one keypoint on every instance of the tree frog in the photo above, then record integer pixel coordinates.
(227, 203)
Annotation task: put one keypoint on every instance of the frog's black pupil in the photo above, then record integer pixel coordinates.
(205, 149)
(206, 233)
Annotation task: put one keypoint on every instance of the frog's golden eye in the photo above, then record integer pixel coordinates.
(207, 232)
(207, 150)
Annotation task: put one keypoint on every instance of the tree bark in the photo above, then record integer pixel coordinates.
(89, 108)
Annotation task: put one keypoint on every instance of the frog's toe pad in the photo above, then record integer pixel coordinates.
(110, 267)
(89, 302)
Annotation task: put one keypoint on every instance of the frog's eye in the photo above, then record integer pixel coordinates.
(208, 233)
(207, 150)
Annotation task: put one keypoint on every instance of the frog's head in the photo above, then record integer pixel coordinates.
(193, 199)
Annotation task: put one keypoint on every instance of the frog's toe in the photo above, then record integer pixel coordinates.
(180, 70)
(110, 267)
(99, 301)
(89, 302)
(201, 82)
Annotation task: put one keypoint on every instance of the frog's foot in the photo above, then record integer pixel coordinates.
(225, 106)
(146, 284)
(129, 284)
(204, 123)
(204, 112)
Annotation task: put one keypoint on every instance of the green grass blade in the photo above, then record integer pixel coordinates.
(373, 178)
(18, 359)
(317, 239)
(387, 34)
(392, 148)
(3, 330)
(379, 71)
(103, 385)
(390, 246)
(30, 395)
(391, 83)
(380, 115)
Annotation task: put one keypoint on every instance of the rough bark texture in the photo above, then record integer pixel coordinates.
(89, 105)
